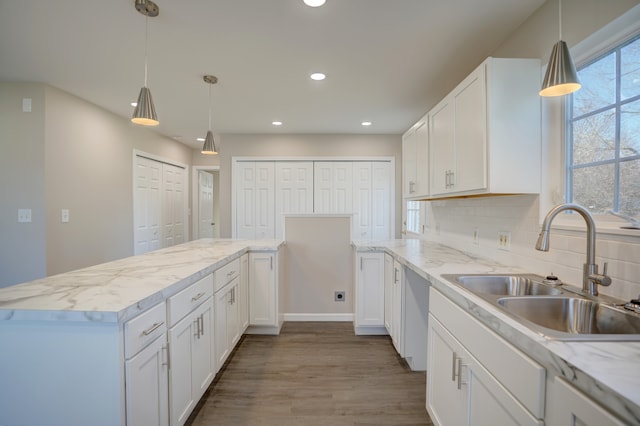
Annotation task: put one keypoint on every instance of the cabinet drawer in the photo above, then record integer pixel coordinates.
(188, 299)
(225, 274)
(520, 375)
(144, 329)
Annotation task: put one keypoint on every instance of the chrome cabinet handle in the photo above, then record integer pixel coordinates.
(459, 373)
(165, 351)
(153, 328)
(453, 368)
(231, 273)
(197, 296)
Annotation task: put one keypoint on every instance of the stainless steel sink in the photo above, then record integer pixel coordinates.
(573, 317)
(555, 312)
(505, 285)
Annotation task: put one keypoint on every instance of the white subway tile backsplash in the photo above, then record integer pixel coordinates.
(457, 219)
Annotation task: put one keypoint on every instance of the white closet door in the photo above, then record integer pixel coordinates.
(361, 224)
(380, 200)
(205, 204)
(323, 187)
(147, 231)
(245, 204)
(265, 200)
(343, 187)
(173, 204)
(294, 190)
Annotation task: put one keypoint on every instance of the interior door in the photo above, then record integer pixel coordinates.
(147, 231)
(205, 205)
(173, 204)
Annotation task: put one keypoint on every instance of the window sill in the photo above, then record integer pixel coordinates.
(603, 226)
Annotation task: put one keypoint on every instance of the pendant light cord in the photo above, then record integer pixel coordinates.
(209, 106)
(560, 19)
(146, 40)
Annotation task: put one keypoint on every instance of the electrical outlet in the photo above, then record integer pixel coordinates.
(504, 240)
(24, 215)
(476, 236)
(64, 215)
(338, 296)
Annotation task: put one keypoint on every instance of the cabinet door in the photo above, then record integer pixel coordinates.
(221, 337)
(181, 401)
(568, 406)
(202, 359)
(243, 294)
(388, 292)
(362, 201)
(447, 398)
(441, 146)
(397, 300)
(370, 289)
(233, 315)
(409, 172)
(262, 289)
(470, 133)
(380, 200)
(147, 384)
(422, 158)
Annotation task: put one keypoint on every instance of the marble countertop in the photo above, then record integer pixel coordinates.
(118, 291)
(609, 372)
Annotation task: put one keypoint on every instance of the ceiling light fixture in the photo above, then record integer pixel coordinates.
(366, 123)
(277, 123)
(145, 112)
(314, 3)
(561, 77)
(209, 146)
(318, 76)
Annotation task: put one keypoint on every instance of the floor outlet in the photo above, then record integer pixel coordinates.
(504, 240)
(338, 296)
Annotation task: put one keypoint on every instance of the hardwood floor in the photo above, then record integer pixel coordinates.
(314, 374)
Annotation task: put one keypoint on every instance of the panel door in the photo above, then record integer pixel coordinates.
(370, 290)
(205, 205)
(245, 200)
(265, 200)
(388, 292)
(397, 300)
(470, 133)
(381, 200)
(147, 383)
(220, 335)
(181, 401)
(262, 289)
(294, 191)
(148, 206)
(409, 145)
(173, 191)
(323, 187)
(203, 361)
(441, 146)
(243, 294)
(362, 201)
(343, 187)
(233, 315)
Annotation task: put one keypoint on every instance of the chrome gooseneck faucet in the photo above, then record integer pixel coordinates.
(590, 276)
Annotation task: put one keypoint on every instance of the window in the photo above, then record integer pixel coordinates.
(603, 133)
(413, 216)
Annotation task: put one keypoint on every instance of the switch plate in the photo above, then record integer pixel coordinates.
(26, 104)
(64, 215)
(504, 240)
(24, 215)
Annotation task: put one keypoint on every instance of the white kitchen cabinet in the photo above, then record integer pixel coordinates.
(255, 199)
(192, 369)
(293, 190)
(398, 310)
(264, 291)
(371, 200)
(333, 187)
(369, 294)
(567, 406)
(415, 160)
(474, 376)
(243, 294)
(147, 369)
(388, 293)
(227, 325)
(484, 137)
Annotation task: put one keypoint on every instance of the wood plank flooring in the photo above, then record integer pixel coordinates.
(314, 373)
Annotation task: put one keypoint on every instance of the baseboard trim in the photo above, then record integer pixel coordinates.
(319, 317)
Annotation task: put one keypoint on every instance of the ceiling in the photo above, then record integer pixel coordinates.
(386, 61)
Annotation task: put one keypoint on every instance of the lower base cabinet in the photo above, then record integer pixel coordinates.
(567, 406)
(227, 331)
(474, 377)
(370, 294)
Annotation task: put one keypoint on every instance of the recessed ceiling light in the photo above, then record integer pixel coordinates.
(200, 139)
(366, 123)
(318, 76)
(314, 3)
(277, 123)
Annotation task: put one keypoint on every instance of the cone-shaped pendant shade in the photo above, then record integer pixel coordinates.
(145, 112)
(209, 146)
(561, 77)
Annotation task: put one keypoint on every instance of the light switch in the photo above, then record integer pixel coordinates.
(24, 215)
(64, 215)
(26, 104)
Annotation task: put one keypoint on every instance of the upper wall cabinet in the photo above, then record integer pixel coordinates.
(484, 137)
(415, 160)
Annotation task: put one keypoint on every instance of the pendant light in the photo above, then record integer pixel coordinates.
(145, 113)
(561, 77)
(209, 147)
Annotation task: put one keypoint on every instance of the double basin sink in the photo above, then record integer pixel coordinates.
(553, 311)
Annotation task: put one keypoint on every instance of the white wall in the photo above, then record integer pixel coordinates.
(454, 221)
